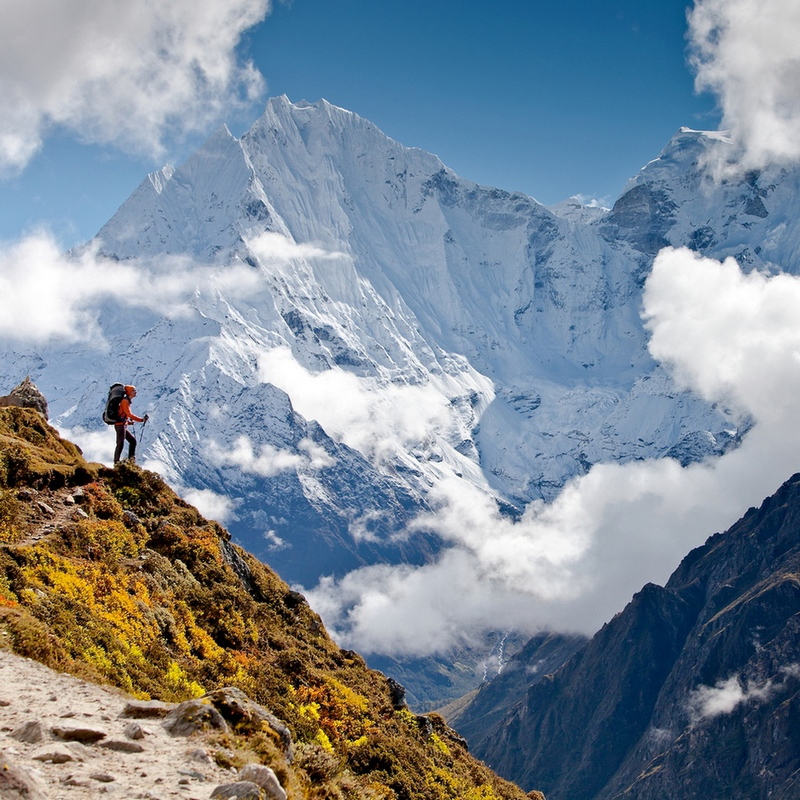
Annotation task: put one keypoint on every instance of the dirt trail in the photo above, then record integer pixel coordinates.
(167, 767)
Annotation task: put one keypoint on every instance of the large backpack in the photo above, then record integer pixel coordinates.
(111, 411)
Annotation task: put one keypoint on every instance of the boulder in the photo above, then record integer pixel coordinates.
(56, 753)
(146, 709)
(241, 790)
(26, 395)
(245, 715)
(31, 732)
(265, 778)
(78, 734)
(193, 716)
(133, 730)
(122, 746)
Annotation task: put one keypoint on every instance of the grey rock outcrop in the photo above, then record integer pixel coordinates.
(26, 395)
(265, 778)
(241, 790)
(243, 714)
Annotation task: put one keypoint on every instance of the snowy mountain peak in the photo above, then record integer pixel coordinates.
(160, 178)
(399, 273)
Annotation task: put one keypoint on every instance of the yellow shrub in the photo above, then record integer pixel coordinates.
(341, 712)
(323, 741)
(485, 792)
(109, 539)
(442, 783)
(180, 683)
(9, 517)
(438, 744)
(196, 640)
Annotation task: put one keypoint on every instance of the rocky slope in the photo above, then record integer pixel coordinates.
(477, 714)
(693, 691)
(108, 575)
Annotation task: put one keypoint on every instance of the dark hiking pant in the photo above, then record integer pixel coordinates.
(123, 435)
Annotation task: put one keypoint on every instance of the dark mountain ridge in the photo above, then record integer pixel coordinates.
(692, 691)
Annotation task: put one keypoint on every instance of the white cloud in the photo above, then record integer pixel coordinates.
(274, 542)
(572, 564)
(269, 460)
(210, 504)
(97, 446)
(418, 610)
(46, 295)
(729, 335)
(318, 456)
(745, 51)
(113, 71)
(707, 702)
(377, 420)
(711, 701)
(361, 528)
(270, 247)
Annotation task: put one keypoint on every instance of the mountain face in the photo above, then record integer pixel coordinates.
(692, 691)
(363, 323)
(478, 714)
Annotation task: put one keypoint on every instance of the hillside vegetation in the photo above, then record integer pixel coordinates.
(108, 575)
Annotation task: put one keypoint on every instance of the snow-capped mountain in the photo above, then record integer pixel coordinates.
(364, 323)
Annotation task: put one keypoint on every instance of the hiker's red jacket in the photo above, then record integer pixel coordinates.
(125, 413)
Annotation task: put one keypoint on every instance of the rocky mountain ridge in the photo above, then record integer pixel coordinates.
(692, 691)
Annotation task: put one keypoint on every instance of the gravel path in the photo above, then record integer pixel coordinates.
(61, 715)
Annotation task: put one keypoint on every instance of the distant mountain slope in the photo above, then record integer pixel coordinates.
(693, 691)
(109, 575)
(477, 716)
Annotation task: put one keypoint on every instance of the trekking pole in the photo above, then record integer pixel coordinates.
(141, 434)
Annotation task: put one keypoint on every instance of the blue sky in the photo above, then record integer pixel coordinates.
(549, 99)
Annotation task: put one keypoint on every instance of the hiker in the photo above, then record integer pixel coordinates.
(126, 417)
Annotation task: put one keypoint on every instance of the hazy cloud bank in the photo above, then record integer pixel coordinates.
(745, 52)
(131, 74)
(572, 564)
(48, 295)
